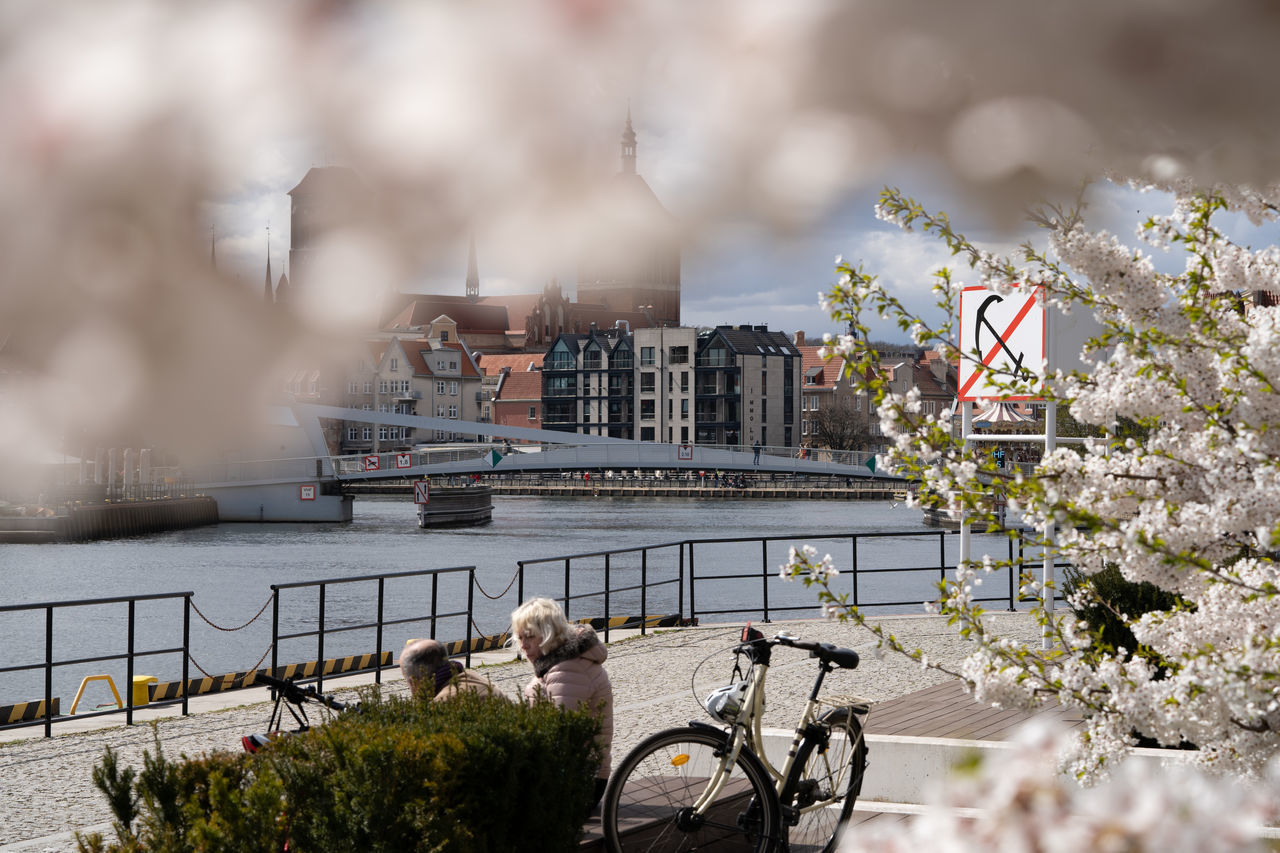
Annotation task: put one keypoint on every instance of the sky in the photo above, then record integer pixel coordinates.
(734, 271)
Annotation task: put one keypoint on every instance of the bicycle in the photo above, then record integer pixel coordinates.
(294, 697)
(704, 787)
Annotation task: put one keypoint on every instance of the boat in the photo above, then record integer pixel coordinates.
(456, 506)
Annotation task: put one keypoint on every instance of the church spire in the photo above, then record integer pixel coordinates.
(628, 146)
(267, 293)
(473, 275)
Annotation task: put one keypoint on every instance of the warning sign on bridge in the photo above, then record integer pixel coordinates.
(372, 463)
(404, 460)
(1007, 333)
(421, 492)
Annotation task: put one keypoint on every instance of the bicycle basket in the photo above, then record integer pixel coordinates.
(725, 703)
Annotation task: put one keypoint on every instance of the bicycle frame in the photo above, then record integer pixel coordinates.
(748, 731)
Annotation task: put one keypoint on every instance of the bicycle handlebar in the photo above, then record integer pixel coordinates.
(752, 640)
(297, 694)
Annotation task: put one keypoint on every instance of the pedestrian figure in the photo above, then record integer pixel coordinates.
(756, 448)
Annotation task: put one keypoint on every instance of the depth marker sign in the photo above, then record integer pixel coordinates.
(1008, 332)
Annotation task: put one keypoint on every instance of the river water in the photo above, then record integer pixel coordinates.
(230, 568)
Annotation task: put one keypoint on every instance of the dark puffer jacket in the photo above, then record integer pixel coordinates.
(573, 676)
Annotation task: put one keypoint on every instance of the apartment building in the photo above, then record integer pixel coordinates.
(664, 399)
(747, 387)
(588, 384)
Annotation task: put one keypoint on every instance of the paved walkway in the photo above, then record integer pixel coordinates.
(46, 793)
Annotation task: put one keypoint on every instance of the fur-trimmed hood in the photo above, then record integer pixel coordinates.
(583, 644)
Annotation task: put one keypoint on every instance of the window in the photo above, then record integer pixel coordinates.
(646, 357)
(453, 412)
(591, 358)
(440, 411)
(586, 410)
(382, 386)
(439, 386)
(368, 407)
(671, 383)
(353, 387)
(646, 382)
(382, 433)
(395, 365)
(366, 433)
(670, 403)
(684, 408)
(622, 358)
(444, 336)
(804, 427)
(684, 382)
(453, 389)
(764, 410)
(368, 386)
(646, 411)
(353, 433)
(679, 355)
(684, 435)
(533, 413)
(646, 433)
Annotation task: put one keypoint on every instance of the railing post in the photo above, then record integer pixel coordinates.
(606, 598)
(186, 649)
(519, 582)
(942, 556)
(680, 587)
(377, 660)
(693, 603)
(471, 595)
(275, 633)
(435, 602)
(48, 671)
(854, 537)
(1012, 585)
(764, 576)
(320, 644)
(566, 587)
(644, 588)
(128, 667)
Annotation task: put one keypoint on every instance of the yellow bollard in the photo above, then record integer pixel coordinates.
(141, 695)
(89, 678)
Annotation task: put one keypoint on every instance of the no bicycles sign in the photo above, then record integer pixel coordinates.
(1007, 333)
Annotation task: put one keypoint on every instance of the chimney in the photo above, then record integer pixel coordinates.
(799, 339)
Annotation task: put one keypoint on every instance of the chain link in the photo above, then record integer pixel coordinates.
(239, 627)
(514, 577)
(253, 668)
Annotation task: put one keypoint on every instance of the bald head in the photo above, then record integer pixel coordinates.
(419, 662)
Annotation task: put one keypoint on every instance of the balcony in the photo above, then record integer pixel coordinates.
(407, 395)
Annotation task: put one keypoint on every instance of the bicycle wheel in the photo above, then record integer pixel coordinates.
(825, 782)
(648, 805)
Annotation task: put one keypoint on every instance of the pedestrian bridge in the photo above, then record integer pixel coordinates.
(508, 449)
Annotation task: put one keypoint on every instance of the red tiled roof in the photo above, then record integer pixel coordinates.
(520, 386)
(491, 364)
(470, 316)
(468, 368)
(827, 371)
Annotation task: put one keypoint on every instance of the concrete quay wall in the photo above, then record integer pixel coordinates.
(859, 491)
(111, 520)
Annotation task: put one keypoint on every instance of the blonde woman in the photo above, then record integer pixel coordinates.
(568, 667)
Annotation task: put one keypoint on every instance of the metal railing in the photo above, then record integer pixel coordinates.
(323, 629)
(129, 656)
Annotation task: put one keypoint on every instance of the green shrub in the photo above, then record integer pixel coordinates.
(1113, 598)
(471, 774)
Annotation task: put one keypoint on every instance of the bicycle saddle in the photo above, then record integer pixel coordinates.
(843, 658)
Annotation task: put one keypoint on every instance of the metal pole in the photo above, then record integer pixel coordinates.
(275, 634)
(693, 607)
(644, 589)
(1012, 583)
(377, 661)
(854, 538)
(186, 649)
(764, 576)
(1047, 582)
(128, 668)
(680, 587)
(48, 671)
(966, 429)
(606, 598)
(320, 645)
(519, 581)
(566, 587)
(435, 601)
(471, 599)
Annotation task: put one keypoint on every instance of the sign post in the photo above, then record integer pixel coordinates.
(421, 492)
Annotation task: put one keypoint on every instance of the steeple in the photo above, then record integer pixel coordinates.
(267, 293)
(473, 276)
(213, 248)
(628, 146)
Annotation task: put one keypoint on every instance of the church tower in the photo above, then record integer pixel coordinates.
(473, 274)
(632, 262)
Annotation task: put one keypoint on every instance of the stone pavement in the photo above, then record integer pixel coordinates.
(46, 792)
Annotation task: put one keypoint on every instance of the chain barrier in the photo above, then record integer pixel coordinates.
(253, 668)
(215, 626)
(514, 577)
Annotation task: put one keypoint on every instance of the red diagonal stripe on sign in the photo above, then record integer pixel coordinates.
(990, 356)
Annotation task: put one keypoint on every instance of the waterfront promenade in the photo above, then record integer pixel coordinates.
(46, 793)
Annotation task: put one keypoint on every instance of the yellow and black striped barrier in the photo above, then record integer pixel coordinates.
(623, 622)
(236, 680)
(21, 712)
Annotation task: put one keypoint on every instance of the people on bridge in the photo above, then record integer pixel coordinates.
(568, 666)
(426, 667)
(756, 448)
